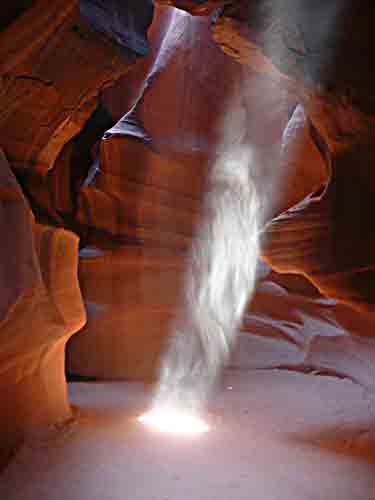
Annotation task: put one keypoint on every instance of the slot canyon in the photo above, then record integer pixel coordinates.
(156, 155)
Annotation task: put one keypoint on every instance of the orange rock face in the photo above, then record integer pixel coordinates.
(186, 88)
(52, 68)
(196, 8)
(137, 208)
(149, 189)
(40, 308)
(327, 237)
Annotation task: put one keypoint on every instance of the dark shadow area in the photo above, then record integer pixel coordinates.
(11, 10)
(53, 195)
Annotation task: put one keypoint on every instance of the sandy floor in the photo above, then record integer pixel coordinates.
(275, 436)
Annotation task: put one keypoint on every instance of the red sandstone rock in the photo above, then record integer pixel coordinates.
(141, 197)
(329, 238)
(148, 192)
(197, 8)
(52, 68)
(131, 297)
(40, 308)
(291, 326)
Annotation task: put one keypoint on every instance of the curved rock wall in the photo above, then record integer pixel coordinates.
(137, 207)
(53, 67)
(40, 308)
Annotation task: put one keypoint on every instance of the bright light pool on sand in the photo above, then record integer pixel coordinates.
(174, 422)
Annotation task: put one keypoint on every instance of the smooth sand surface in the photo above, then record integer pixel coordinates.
(274, 435)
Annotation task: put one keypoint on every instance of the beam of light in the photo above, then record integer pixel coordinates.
(220, 278)
(174, 421)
